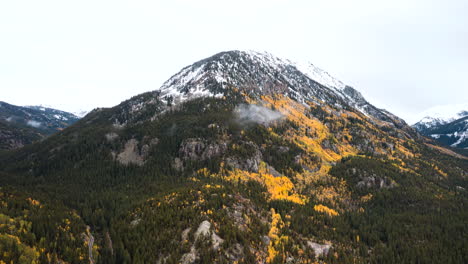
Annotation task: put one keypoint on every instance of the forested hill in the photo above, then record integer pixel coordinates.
(242, 157)
(21, 126)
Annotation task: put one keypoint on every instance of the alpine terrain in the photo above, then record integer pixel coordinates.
(447, 125)
(20, 125)
(242, 157)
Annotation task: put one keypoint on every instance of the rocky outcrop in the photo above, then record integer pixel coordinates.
(201, 149)
(250, 163)
(372, 180)
(89, 240)
(375, 181)
(319, 249)
(132, 153)
(203, 231)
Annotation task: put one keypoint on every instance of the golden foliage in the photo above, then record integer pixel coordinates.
(441, 172)
(323, 209)
(277, 242)
(366, 198)
(33, 202)
(279, 188)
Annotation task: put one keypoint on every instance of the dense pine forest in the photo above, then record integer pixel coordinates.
(249, 174)
(372, 208)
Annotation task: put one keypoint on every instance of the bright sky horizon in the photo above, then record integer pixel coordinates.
(404, 56)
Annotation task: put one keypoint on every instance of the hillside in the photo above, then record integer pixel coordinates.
(21, 126)
(239, 158)
(447, 125)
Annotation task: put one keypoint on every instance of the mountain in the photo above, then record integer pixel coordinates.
(263, 73)
(80, 113)
(242, 157)
(446, 124)
(20, 126)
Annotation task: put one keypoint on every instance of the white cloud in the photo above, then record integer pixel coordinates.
(34, 123)
(247, 114)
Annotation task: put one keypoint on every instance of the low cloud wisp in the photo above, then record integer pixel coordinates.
(255, 114)
(34, 123)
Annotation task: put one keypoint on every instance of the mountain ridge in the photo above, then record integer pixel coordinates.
(259, 165)
(300, 81)
(22, 125)
(446, 125)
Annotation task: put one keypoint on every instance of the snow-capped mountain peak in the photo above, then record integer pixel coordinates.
(447, 124)
(442, 114)
(263, 73)
(219, 66)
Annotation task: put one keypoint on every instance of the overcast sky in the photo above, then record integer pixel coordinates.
(403, 55)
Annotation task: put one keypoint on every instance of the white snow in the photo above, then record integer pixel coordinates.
(462, 137)
(174, 85)
(194, 76)
(319, 75)
(307, 68)
(442, 114)
(60, 117)
(81, 113)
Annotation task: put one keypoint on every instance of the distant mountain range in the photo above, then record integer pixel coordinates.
(22, 125)
(446, 124)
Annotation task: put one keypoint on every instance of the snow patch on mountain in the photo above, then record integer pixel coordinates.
(196, 74)
(442, 114)
(447, 124)
(319, 75)
(81, 113)
(263, 73)
(462, 137)
(307, 68)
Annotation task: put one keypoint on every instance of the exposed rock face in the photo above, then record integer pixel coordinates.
(235, 253)
(185, 234)
(251, 163)
(375, 181)
(319, 249)
(201, 149)
(89, 240)
(329, 145)
(203, 231)
(190, 257)
(372, 180)
(135, 222)
(132, 154)
(178, 164)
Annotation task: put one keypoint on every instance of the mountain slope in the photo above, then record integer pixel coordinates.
(263, 73)
(447, 125)
(242, 157)
(454, 134)
(20, 126)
